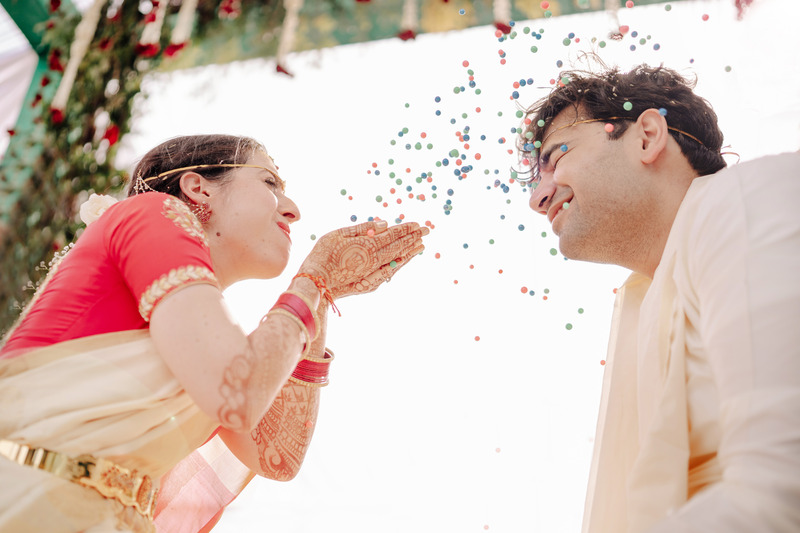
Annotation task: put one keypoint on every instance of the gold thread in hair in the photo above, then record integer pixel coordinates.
(140, 185)
(193, 167)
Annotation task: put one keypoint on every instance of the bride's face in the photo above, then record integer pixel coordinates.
(249, 227)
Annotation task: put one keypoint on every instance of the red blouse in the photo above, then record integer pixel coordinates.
(140, 250)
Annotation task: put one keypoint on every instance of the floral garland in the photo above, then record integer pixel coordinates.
(75, 137)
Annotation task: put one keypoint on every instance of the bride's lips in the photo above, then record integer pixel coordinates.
(286, 230)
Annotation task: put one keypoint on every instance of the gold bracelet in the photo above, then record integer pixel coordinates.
(306, 383)
(297, 321)
(322, 359)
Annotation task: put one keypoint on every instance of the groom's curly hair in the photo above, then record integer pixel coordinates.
(606, 95)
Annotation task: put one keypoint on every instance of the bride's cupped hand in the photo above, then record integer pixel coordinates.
(358, 259)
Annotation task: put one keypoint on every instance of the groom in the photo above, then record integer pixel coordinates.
(699, 426)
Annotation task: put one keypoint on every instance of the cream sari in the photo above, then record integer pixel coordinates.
(110, 396)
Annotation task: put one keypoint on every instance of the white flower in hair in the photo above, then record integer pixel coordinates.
(95, 206)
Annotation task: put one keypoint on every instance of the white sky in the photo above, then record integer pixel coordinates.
(424, 428)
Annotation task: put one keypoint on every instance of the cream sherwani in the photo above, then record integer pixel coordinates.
(699, 427)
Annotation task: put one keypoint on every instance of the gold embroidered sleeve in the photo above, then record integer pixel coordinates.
(179, 213)
(173, 280)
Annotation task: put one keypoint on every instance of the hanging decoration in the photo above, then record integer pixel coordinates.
(149, 44)
(183, 27)
(501, 10)
(84, 33)
(288, 34)
(740, 7)
(409, 22)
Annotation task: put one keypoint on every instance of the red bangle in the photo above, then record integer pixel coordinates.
(324, 291)
(296, 306)
(313, 371)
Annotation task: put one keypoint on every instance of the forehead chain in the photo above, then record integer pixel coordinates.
(194, 167)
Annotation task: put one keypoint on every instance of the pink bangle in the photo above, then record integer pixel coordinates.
(295, 305)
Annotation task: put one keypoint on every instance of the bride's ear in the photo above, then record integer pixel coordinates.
(195, 187)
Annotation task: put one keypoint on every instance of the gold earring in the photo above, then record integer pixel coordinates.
(202, 212)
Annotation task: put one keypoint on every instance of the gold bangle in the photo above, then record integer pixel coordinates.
(297, 321)
(323, 359)
(306, 383)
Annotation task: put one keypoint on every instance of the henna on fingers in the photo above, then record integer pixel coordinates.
(380, 276)
(350, 259)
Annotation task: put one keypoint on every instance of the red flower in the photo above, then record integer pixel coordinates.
(56, 115)
(36, 99)
(151, 16)
(54, 61)
(50, 25)
(174, 48)
(407, 34)
(11, 133)
(112, 134)
(503, 27)
(45, 81)
(147, 50)
(105, 43)
(54, 5)
(282, 70)
(230, 9)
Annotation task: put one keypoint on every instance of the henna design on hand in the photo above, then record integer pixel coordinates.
(352, 261)
(233, 390)
(252, 380)
(284, 433)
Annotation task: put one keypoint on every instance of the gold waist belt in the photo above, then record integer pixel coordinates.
(107, 478)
